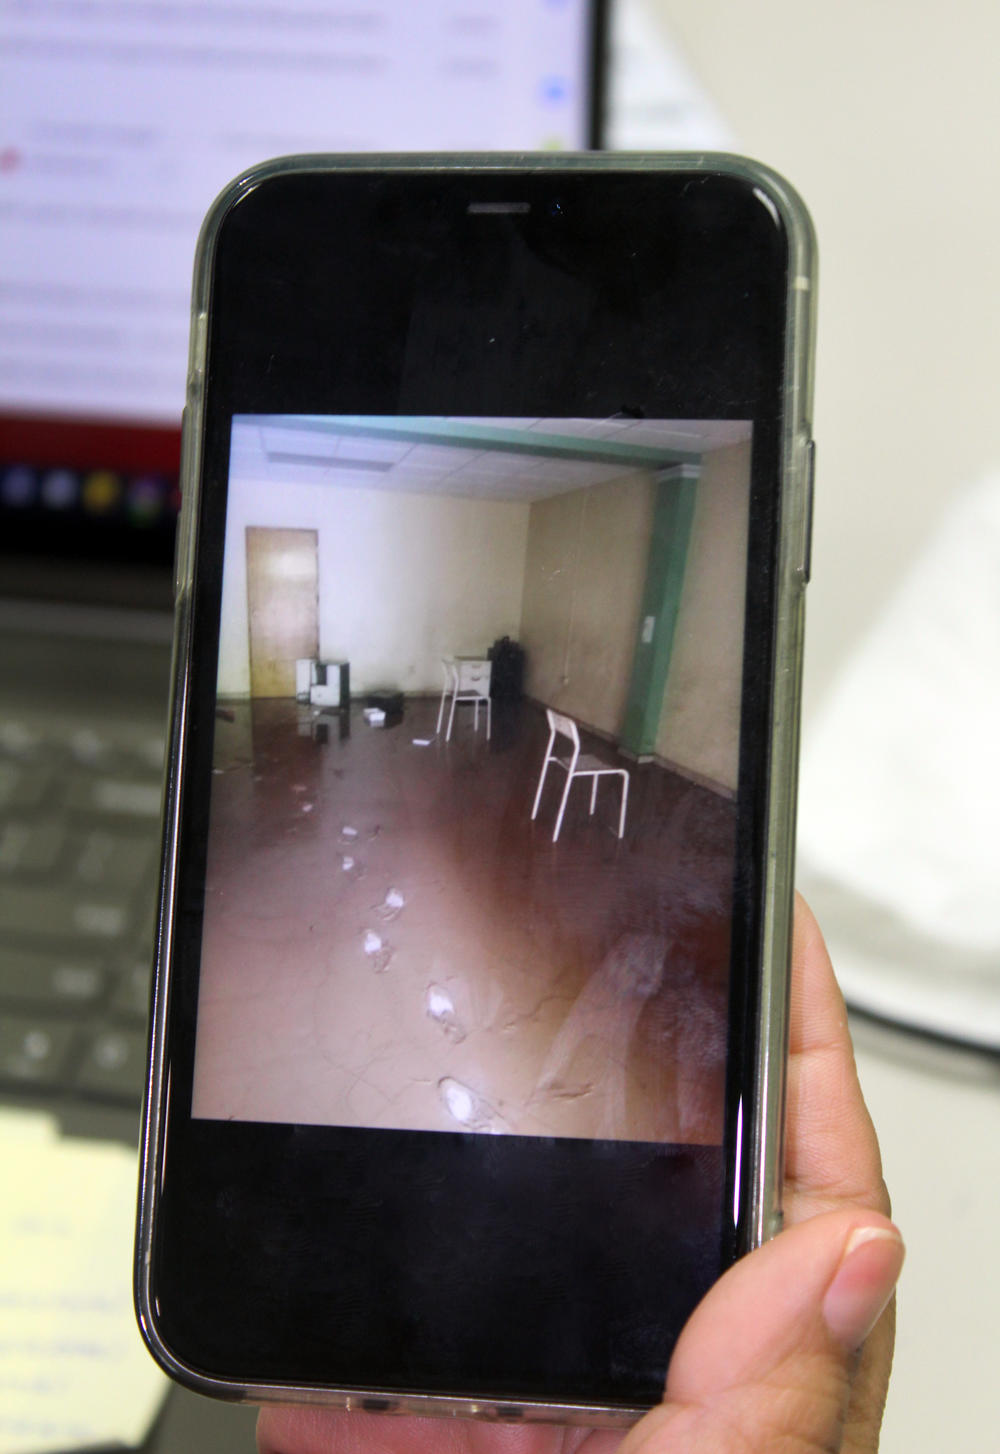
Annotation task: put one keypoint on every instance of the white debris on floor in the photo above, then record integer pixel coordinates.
(378, 952)
(465, 1107)
(391, 904)
(441, 1007)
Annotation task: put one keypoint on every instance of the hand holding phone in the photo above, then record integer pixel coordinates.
(468, 1050)
(749, 1342)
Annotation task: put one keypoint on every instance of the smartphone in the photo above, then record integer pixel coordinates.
(469, 1020)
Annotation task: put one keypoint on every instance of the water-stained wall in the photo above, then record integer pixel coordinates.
(586, 562)
(583, 580)
(700, 721)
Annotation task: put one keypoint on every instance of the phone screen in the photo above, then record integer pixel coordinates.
(463, 945)
(500, 901)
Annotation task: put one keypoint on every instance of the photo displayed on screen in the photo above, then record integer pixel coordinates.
(472, 822)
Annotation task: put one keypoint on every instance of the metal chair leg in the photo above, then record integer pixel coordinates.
(541, 780)
(562, 806)
(621, 816)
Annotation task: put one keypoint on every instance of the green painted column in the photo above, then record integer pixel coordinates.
(673, 510)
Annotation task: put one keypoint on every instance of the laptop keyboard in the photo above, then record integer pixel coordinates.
(79, 852)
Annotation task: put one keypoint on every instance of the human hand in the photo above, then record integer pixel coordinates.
(772, 1358)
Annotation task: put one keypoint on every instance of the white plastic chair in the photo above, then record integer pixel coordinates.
(576, 765)
(466, 679)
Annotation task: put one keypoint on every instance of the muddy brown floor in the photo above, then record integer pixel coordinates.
(391, 941)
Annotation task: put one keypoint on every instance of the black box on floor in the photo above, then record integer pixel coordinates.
(389, 702)
(386, 701)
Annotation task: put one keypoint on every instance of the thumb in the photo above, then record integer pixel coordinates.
(769, 1354)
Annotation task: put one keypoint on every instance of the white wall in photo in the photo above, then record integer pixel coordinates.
(404, 579)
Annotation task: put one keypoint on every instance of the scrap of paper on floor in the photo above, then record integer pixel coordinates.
(73, 1369)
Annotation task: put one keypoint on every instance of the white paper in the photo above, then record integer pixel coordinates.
(656, 102)
(73, 1369)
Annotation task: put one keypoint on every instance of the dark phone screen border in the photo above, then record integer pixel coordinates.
(508, 1267)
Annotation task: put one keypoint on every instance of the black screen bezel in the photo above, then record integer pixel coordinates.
(279, 295)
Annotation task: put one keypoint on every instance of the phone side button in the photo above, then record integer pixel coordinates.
(181, 541)
(809, 482)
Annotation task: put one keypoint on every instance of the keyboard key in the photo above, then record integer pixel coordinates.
(77, 984)
(114, 1064)
(30, 848)
(22, 785)
(33, 1052)
(120, 798)
(89, 747)
(100, 920)
(62, 983)
(112, 860)
(57, 913)
(130, 1000)
(18, 739)
(151, 751)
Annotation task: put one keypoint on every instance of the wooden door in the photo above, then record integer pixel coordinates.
(283, 604)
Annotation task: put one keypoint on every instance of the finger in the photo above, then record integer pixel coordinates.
(766, 1361)
(831, 1155)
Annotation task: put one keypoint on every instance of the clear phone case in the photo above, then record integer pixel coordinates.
(763, 1121)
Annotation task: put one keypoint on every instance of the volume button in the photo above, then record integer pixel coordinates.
(197, 349)
(182, 547)
(809, 480)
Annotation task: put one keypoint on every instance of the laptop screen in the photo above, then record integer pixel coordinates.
(119, 124)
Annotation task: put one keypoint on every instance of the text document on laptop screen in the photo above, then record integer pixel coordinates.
(120, 122)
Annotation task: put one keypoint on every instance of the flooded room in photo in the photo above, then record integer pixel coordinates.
(472, 824)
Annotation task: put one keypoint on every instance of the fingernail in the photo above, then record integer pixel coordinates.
(863, 1284)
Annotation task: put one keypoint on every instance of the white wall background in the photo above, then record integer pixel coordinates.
(885, 114)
